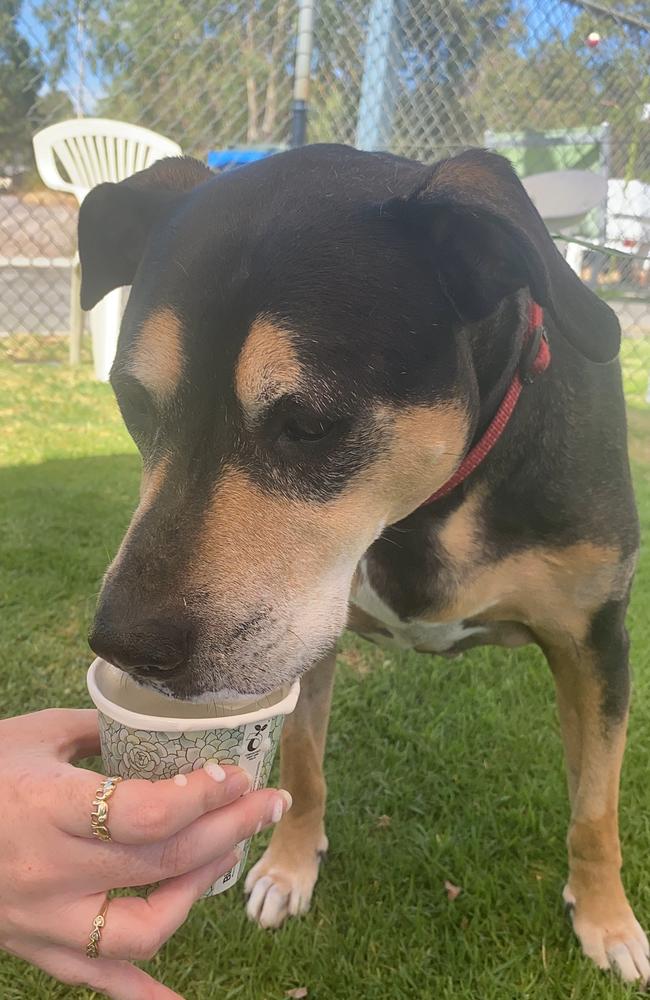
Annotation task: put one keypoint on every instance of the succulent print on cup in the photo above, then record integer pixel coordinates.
(138, 753)
(196, 749)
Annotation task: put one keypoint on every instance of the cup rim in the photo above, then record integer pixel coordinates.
(162, 724)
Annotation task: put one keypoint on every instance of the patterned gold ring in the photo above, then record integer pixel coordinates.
(99, 814)
(92, 948)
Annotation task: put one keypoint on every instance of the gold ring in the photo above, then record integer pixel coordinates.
(92, 948)
(99, 815)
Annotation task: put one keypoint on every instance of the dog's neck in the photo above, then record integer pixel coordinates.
(496, 344)
(533, 359)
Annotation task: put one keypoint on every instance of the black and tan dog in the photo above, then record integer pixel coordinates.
(311, 347)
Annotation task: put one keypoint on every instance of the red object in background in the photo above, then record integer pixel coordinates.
(593, 39)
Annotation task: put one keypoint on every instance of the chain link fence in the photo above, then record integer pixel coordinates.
(553, 84)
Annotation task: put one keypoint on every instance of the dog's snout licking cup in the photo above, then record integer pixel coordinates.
(148, 735)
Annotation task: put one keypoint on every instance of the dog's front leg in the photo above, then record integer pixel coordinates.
(592, 682)
(282, 882)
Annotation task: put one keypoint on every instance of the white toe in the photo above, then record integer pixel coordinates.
(622, 960)
(275, 907)
(252, 877)
(279, 887)
(257, 895)
(640, 956)
(269, 903)
(297, 903)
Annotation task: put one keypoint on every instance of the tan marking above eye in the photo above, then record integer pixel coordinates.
(267, 367)
(156, 357)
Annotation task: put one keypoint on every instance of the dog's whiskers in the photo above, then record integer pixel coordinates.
(296, 636)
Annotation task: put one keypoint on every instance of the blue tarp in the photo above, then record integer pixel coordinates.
(227, 159)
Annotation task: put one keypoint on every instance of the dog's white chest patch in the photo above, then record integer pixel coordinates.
(434, 637)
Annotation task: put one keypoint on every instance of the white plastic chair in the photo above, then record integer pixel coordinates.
(74, 156)
(564, 198)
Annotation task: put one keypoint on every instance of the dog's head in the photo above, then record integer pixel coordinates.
(295, 365)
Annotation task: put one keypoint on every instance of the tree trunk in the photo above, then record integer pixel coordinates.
(269, 122)
(251, 85)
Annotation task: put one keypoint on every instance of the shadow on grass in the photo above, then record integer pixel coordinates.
(60, 524)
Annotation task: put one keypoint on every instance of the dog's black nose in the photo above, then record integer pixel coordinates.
(146, 649)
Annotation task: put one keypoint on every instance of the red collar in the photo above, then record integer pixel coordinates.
(527, 371)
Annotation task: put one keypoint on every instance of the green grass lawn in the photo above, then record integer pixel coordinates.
(635, 360)
(463, 757)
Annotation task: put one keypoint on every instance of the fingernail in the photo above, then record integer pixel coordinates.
(238, 851)
(249, 780)
(215, 770)
(281, 805)
(288, 798)
(180, 779)
(239, 782)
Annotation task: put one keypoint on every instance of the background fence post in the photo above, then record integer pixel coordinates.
(302, 72)
(76, 315)
(375, 117)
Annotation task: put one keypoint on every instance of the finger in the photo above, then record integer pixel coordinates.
(136, 928)
(68, 733)
(117, 980)
(100, 866)
(82, 733)
(142, 812)
(212, 835)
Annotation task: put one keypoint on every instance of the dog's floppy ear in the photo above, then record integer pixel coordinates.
(115, 221)
(488, 240)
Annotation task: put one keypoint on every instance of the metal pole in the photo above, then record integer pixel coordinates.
(79, 110)
(302, 72)
(374, 118)
(605, 139)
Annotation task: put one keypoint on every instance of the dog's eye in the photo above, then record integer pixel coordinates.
(305, 427)
(138, 411)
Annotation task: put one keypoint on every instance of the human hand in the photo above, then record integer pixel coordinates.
(54, 875)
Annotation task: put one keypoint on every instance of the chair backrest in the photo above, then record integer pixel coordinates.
(564, 198)
(93, 150)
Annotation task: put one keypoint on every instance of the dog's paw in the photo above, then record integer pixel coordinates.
(281, 886)
(613, 940)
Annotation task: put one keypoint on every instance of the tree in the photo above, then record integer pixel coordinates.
(621, 66)
(21, 77)
(212, 74)
(436, 44)
(215, 74)
(206, 74)
(337, 65)
(553, 80)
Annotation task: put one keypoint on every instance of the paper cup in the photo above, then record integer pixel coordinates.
(146, 735)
